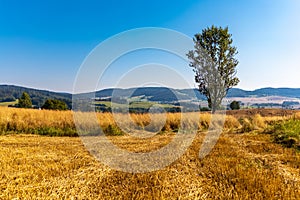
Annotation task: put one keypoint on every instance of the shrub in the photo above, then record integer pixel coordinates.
(235, 105)
(113, 130)
(54, 104)
(204, 109)
(287, 133)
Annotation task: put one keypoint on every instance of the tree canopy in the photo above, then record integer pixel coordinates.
(214, 63)
(235, 105)
(54, 104)
(25, 101)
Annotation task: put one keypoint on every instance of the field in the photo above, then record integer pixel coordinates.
(10, 103)
(256, 157)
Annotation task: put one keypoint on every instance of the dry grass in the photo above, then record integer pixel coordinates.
(243, 166)
(61, 123)
(43, 122)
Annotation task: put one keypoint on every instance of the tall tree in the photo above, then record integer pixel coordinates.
(25, 101)
(214, 63)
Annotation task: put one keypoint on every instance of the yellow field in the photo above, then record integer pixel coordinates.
(61, 123)
(241, 166)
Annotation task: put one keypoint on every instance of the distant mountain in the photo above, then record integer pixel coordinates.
(167, 94)
(161, 94)
(263, 92)
(158, 94)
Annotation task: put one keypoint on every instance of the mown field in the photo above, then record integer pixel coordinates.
(255, 158)
(10, 103)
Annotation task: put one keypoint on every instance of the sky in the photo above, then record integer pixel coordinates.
(44, 43)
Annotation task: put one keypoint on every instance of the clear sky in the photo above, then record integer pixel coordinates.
(43, 43)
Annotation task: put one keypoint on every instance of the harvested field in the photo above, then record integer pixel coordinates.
(241, 166)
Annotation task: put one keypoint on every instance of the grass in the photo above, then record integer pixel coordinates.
(284, 129)
(246, 163)
(287, 133)
(241, 166)
(61, 123)
(250, 160)
(134, 107)
(6, 104)
(32, 121)
(134, 104)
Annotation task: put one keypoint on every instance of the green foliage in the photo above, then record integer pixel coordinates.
(7, 99)
(214, 63)
(134, 107)
(9, 104)
(112, 130)
(204, 109)
(52, 131)
(235, 105)
(25, 101)
(54, 104)
(9, 93)
(287, 133)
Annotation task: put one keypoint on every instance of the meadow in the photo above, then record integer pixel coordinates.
(256, 157)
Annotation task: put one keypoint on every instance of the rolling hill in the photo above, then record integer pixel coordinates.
(9, 93)
(263, 92)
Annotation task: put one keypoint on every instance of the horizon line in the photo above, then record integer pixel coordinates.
(133, 87)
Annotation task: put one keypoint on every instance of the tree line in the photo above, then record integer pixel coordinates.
(50, 104)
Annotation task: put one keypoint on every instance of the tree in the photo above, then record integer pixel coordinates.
(235, 105)
(213, 61)
(54, 104)
(25, 101)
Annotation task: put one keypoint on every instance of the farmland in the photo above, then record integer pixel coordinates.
(9, 103)
(253, 159)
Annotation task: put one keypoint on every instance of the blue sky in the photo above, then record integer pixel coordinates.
(43, 43)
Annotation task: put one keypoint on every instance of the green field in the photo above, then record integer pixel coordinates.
(10, 103)
(136, 106)
(139, 104)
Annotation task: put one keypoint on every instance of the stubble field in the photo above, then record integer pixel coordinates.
(246, 163)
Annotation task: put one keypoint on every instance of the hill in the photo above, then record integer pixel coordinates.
(9, 93)
(263, 92)
(169, 94)
(159, 94)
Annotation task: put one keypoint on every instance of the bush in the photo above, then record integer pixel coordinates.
(112, 130)
(235, 105)
(287, 133)
(204, 109)
(54, 104)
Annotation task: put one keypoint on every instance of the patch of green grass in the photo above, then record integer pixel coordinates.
(118, 105)
(113, 130)
(51, 131)
(10, 103)
(147, 104)
(135, 104)
(287, 133)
